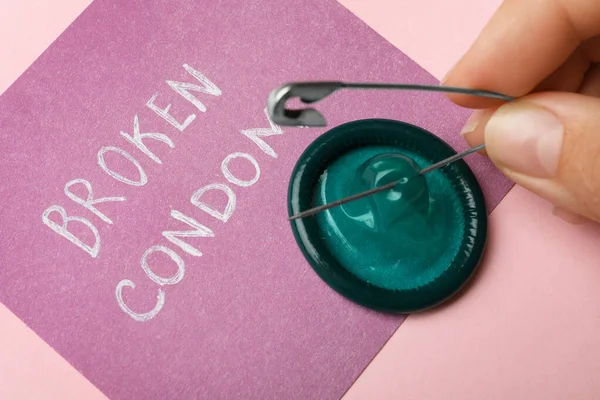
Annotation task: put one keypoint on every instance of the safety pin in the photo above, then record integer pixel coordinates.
(311, 92)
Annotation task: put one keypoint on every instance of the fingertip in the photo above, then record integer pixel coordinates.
(474, 128)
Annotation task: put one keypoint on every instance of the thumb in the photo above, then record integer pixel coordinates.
(549, 143)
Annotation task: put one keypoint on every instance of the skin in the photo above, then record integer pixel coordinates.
(547, 54)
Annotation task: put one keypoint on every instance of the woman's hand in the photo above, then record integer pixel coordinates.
(546, 52)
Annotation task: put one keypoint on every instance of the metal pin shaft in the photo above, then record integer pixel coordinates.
(385, 187)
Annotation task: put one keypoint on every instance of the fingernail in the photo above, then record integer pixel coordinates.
(472, 123)
(525, 139)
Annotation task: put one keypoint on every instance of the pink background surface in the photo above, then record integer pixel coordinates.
(434, 33)
(527, 329)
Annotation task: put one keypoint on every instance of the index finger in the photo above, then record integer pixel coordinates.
(523, 43)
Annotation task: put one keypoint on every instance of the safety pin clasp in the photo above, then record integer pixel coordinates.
(307, 93)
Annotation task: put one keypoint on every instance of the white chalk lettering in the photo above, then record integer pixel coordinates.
(184, 88)
(231, 178)
(143, 178)
(199, 231)
(159, 279)
(160, 302)
(256, 134)
(63, 229)
(89, 202)
(229, 208)
(138, 139)
(164, 114)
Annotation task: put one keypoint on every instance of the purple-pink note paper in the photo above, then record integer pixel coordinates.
(144, 231)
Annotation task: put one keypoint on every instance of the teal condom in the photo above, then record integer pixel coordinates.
(402, 250)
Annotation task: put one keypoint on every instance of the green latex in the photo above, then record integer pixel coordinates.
(398, 239)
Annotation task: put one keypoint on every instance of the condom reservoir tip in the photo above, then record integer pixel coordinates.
(402, 250)
(405, 204)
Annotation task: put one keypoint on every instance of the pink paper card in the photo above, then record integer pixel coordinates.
(144, 188)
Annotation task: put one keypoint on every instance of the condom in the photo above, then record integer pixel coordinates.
(403, 250)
